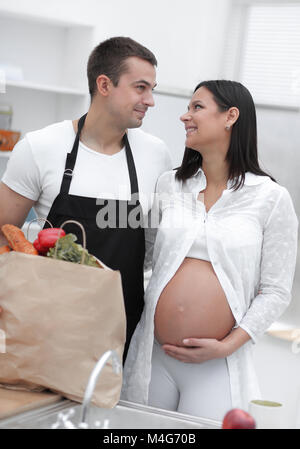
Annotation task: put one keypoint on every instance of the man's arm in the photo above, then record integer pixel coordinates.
(14, 209)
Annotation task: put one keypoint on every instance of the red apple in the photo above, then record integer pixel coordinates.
(238, 419)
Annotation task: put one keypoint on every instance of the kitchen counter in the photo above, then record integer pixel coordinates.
(13, 402)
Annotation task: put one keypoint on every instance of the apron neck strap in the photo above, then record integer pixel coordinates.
(71, 160)
(131, 166)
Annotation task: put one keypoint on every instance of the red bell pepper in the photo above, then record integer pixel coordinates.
(48, 237)
(39, 248)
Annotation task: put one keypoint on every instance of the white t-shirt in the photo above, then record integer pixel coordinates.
(199, 249)
(35, 168)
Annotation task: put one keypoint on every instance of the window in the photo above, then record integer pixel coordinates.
(266, 52)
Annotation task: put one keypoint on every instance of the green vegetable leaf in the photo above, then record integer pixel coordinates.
(68, 250)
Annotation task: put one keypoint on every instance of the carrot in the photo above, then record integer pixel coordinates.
(4, 249)
(17, 240)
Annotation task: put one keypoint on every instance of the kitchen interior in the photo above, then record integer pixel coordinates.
(43, 54)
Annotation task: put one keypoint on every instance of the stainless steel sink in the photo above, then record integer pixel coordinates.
(126, 415)
(67, 414)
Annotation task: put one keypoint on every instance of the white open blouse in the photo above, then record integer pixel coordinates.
(252, 244)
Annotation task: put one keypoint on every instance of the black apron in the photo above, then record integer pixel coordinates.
(119, 246)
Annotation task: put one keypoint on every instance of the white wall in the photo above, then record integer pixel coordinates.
(182, 36)
(187, 39)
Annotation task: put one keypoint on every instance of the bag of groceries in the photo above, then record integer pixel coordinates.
(62, 309)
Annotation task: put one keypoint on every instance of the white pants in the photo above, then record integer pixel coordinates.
(198, 389)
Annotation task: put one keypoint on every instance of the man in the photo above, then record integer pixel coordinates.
(97, 170)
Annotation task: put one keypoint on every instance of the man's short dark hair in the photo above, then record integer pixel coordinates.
(109, 58)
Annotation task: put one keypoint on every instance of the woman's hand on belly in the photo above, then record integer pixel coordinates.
(199, 350)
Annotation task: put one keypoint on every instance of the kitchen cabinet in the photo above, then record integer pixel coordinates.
(45, 69)
(43, 65)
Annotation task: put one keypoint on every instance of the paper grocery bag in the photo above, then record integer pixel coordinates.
(58, 319)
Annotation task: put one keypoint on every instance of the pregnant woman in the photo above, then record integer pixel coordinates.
(223, 264)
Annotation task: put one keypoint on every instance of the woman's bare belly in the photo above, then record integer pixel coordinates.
(192, 304)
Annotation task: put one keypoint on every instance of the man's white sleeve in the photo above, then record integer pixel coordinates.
(22, 173)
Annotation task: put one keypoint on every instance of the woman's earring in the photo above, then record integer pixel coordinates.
(227, 127)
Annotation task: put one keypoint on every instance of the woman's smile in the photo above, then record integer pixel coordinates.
(190, 130)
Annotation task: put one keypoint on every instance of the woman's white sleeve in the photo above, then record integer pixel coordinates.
(279, 252)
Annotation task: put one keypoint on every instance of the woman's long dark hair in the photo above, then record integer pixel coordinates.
(242, 152)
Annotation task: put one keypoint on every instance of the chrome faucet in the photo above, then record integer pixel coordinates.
(116, 365)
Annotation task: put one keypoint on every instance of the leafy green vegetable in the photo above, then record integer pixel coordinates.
(68, 250)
